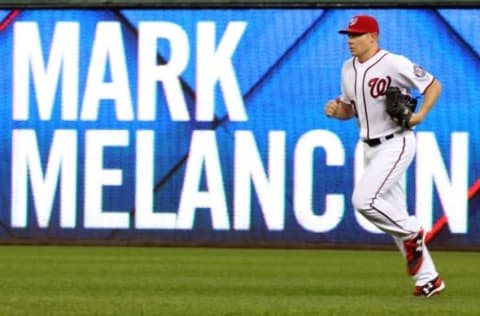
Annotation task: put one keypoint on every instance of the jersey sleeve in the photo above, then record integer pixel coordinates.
(413, 74)
(344, 96)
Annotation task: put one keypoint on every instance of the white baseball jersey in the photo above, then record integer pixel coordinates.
(364, 86)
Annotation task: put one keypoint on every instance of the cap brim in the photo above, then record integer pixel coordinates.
(352, 31)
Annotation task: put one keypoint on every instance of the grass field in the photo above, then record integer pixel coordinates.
(47, 280)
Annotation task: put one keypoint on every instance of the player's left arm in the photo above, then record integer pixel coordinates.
(430, 96)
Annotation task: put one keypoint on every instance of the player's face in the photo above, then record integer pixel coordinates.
(363, 45)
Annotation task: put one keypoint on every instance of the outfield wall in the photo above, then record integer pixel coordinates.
(206, 126)
(237, 3)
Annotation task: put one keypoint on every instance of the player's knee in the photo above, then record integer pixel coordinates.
(360, 201)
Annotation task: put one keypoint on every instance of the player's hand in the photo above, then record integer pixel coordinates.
(331, 108)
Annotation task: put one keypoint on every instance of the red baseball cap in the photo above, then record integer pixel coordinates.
(360, 24)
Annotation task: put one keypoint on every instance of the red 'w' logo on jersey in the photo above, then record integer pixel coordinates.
(379, 86)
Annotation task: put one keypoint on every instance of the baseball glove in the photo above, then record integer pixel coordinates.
(400, 106)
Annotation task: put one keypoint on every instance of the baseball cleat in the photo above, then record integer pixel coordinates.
(433, 287)
(414, 253)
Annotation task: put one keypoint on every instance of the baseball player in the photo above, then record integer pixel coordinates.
(388, 141)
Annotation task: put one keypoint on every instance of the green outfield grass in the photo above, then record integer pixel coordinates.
(47, 280)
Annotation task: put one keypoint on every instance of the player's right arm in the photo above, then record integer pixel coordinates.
(339, 110)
